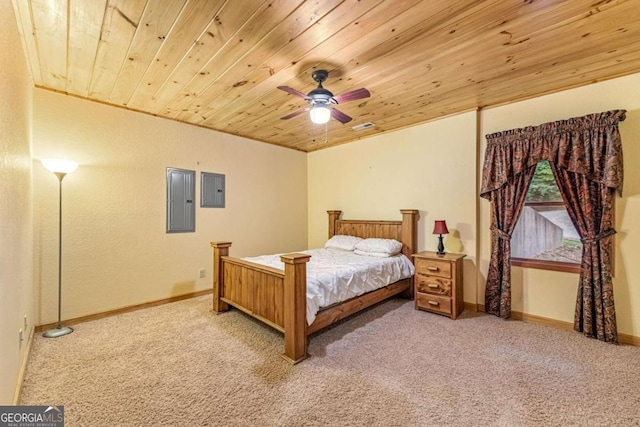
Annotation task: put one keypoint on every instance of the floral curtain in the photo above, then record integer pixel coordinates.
(589, 205)
(506, 206)
(586, 156)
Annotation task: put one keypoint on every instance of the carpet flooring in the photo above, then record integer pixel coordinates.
(180, 365)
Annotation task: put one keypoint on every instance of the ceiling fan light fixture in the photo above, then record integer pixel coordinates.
(320, 98)
(320, 114)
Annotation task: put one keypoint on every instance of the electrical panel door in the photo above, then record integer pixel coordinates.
(181, 207)
(212, 190)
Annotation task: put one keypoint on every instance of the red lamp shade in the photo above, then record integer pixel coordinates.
(440, 227)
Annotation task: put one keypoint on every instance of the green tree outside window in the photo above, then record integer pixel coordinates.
(543, 187)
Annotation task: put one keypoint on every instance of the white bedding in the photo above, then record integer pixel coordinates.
(334, 275)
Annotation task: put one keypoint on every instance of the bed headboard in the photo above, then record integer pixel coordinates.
(405, 231)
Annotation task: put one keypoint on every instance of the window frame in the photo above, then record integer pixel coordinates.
(567, 267)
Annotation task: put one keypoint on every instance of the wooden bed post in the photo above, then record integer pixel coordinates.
(410, 240)
(333, 217)
(409, 231)
(295, 307)
(220, 249)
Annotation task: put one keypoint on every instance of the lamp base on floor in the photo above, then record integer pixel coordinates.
(57, 332)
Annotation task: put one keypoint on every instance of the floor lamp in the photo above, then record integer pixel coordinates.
(60, 168)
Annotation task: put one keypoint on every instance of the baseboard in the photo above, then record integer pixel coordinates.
(532, 318)
(558, 324)
(23, 369)
(122, 310)
(628, 339)
(471, 306)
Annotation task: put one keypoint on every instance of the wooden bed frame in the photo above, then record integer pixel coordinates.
(279, 298)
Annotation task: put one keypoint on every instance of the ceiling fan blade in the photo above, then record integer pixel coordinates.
(352, 96)
(292, 91)
(340, 116)
(294, 114)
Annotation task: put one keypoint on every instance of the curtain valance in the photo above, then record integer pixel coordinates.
(588, 145)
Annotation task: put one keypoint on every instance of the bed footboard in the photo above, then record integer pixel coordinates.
(279, 298)
(270, 295)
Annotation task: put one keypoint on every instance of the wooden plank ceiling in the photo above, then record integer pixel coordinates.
(217, 63)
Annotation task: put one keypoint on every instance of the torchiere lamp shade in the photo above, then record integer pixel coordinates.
(59, 165)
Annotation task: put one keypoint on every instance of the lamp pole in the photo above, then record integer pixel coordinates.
(60, 170)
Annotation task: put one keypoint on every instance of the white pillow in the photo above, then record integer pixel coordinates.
(375, 254)
(343, 242)
(381, 246)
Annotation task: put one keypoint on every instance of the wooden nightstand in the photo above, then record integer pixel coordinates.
(438, 283)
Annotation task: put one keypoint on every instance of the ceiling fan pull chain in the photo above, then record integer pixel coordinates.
(326, 132)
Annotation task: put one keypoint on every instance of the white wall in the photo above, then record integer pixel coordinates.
(116, 252)
(16, 236)
(553, 294)
(431, 167)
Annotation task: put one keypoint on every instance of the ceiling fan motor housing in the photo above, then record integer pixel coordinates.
(320, 96)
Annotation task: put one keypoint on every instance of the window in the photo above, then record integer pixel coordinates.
(544, 236)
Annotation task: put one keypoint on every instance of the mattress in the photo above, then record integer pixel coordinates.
(335, 275)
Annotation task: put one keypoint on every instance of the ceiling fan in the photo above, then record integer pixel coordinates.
(320, 98)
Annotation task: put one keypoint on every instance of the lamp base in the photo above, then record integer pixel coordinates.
(57, 332)
(440, 246)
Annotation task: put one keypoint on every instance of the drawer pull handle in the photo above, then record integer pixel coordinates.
(432, 286)
(433, 268)
(436, 303)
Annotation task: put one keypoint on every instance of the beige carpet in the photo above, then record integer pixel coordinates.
(180, 365)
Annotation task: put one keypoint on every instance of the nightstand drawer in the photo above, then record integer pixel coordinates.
(436, 303)
(433, 285)
(433, 267)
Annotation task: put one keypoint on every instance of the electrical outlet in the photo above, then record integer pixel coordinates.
(203, 273)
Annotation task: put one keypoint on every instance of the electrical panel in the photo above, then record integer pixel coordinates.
(211, 190)
(181, 211)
